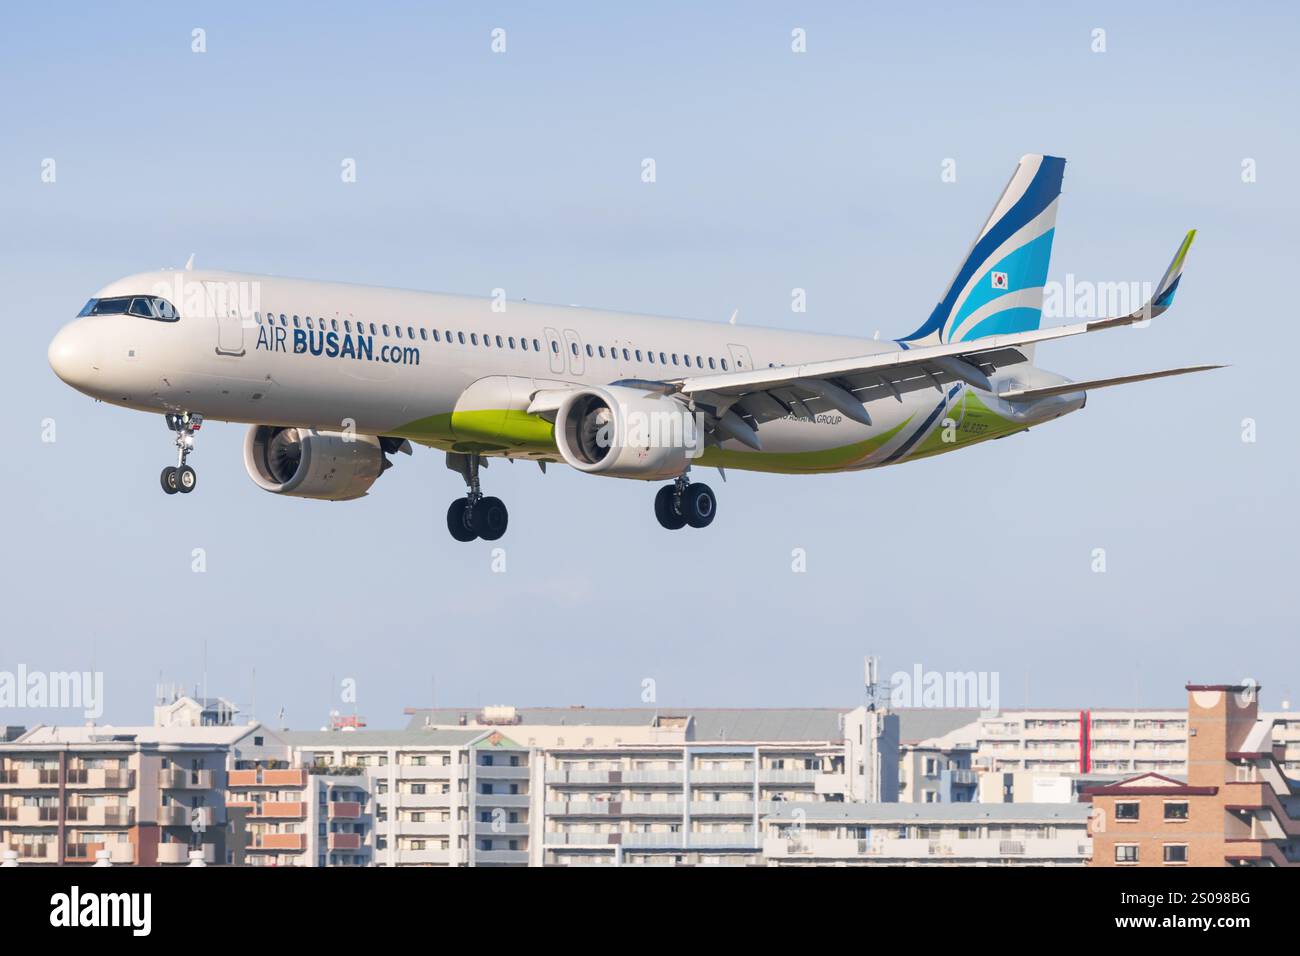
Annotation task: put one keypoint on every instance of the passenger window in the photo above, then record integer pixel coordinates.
(602, 351)
(334, 325)
(674, 358)
(724, 365)
(435, 335)
(283, 320)
(589, 353)
(410, 332)
(385, 331)
(638, 355)
(372, 329)
(711, 365)
(399, 331)
(424, 336)
(512, 341)
(473, 338)
(687, 360)
(499, 345)
(555, 347)
(651, 357)
(487, 341)
(460, 337)
(699, 362)
(626, 357)
(537, 346)
(295, 322)
(309, 325)
(573, 346)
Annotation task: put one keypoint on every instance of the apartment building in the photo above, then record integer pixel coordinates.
(457, 797)
(128, 795)
(1236, 807)
(946, 756)
(682, 786)
(927, 834)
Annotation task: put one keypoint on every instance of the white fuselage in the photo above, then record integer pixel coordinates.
(294, 352)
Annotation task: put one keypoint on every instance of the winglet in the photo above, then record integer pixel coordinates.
(1164, 296)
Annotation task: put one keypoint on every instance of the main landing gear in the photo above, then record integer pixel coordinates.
(181, 477)
(683, 503)
(475, 515)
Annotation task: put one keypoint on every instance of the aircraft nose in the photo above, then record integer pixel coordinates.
(73, 356)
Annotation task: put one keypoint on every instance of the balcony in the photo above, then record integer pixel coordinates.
(420, 857)
(425, 828)
(500, 857)
(431, 772)
(180, 779)
(500, 829)
(291, 779)
(118, 853)
(35, 851)
(276, 842)
(24, 816)
(101, 816)
(278, 810)
(417, 800)
(97, 778)
(737, 778)
(344, 809)
(706, 840)
(501, 799)
(175, 815)
(174, 853)
(345, 841)
(605, 808)
(501, 772)
(722, 808)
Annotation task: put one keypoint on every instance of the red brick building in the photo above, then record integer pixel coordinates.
(1236, 808)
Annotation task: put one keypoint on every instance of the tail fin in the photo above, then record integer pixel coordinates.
(999, 288)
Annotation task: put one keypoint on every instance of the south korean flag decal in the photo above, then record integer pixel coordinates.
(999, 280)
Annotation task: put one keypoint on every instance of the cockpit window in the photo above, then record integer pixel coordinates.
(144, 306)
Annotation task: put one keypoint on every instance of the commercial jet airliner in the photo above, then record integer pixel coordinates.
(334, 378)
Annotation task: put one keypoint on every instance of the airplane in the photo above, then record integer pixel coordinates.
(333, 378)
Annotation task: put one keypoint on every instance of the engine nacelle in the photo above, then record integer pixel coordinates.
(306, 463)
(626, 433)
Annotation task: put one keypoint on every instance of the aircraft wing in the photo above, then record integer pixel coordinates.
(843, 385)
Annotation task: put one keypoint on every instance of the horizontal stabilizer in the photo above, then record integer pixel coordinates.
(1033, 394)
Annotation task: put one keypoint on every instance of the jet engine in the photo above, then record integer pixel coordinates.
(625, 432)
(306, 463)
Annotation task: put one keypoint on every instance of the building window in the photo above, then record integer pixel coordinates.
(1175, 852)
(1126, 853)
(1176, 811)
(1126, 811)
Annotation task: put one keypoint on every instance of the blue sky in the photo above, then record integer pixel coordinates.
(775, 170)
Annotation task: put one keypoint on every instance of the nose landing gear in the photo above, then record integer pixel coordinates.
(181, 477)
(683, 503)
(475, 515)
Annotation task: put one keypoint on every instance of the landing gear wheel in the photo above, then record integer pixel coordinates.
(168, 479)
(666, 508)
(458, 520)
(698, 505)
(489, 518)
(186, 479)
